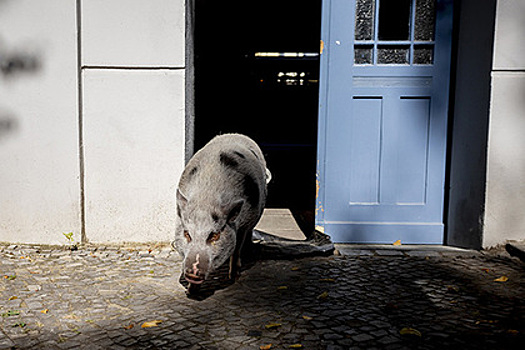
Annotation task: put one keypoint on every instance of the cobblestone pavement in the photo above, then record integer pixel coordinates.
(100, 298)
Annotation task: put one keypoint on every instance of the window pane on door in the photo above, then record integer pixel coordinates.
(392, 54)
(423, 54)
(424, 21)
(394, 19)
(364, 19)
(363, 54)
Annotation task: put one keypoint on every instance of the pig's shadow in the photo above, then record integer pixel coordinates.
(263, 247)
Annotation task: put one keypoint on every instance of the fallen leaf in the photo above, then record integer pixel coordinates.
(410, 331)
(282, 288)
(13, 297)
(295, 268)
(131, 326)
(149, 324)
(327, 280)
(398, 242)
(273, 325)
(307, 318)
(502, 279)
(296, 346)
(453, 289)
(323, 295)
(11, 313)
(265, 347)
(9, 277)
(45, 311)
(20, 324)
(512, 331)
(486, 270)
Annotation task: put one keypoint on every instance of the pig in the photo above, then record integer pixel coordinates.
(220, 198)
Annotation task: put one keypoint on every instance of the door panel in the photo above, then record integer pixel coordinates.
(383, 117)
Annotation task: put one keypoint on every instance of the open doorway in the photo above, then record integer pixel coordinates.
(257, 73)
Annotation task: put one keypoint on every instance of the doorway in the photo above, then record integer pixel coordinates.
(257, 73)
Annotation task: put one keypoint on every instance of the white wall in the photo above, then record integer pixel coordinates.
(131, 108)
(134, 153)
(505, 201)
(133, 112)
(39, 167)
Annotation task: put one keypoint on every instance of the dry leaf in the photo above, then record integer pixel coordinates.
(327, 280)
(502, 279)
(273, 325)
(295, 268)
(453, 289)
(9, 278)
(323, 295)
(486, 270)
(296, 346)
(512, 331)
(307, 318)
(149, 324)
(282, 287)
(410, 331)
(13, 297)
(45, 311)
(398, 242)
(130, 326)
(265, 347)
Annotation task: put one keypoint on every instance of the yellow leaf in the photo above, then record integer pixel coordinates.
(130, 326)
(307, 318)
(502, 279)
(13, 297)
(327, 280)
(149, 324)
(45, 311)
(273, 325)
(410, 331)
(265, 347)
(398, 242)
(296, 346)
(512, 331)
(295, 268)
(282, 287)
(323, 295)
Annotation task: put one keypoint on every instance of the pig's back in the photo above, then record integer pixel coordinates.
(229, 167)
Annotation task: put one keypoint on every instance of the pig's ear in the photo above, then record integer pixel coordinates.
(232, 211)
(181, 201)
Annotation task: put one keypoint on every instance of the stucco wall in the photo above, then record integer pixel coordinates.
(96, 142)
(505, 200)
(39, 167)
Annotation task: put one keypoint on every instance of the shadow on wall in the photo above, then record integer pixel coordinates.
(14, 63)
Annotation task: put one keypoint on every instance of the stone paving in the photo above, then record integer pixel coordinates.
(104, 297)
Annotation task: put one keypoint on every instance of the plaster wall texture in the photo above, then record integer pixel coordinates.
(123, 33)
(505, 198)
(134, 153)
(133, 57)
(39, 166)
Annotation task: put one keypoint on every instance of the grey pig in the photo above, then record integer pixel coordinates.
(220, 198)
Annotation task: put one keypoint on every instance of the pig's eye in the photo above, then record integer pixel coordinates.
(187, 236)
(214, 237)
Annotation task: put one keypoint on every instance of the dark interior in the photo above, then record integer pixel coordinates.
(252, 77)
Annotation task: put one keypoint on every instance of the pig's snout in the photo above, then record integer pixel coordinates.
(196, 268)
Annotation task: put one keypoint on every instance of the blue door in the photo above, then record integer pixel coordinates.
(384, 90)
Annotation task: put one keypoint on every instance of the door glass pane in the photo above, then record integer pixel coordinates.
(390, 54)
(363, 54)
(425, 18)
(423, 54)
(364, 19)
(394, 19)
